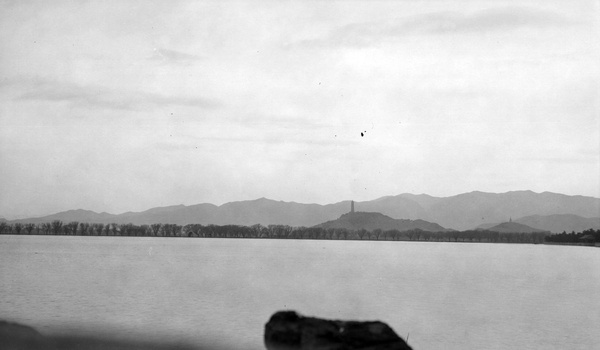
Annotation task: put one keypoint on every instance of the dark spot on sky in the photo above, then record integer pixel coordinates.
(362, 134)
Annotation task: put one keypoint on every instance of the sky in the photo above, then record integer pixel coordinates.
(118, 106)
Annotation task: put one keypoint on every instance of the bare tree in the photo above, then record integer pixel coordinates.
(258, 230)
(56, 226)
(166, 228)
(145, 230)
(18, 227)
(126, 229)
(47, 228)
(71, 228)
(98, 229)
(414, 234)
(155, 229)
(29, 228)
(342, 232)
(110, 229)
(377, 233)
(455, 235)
(84, 228)
(113, 229)
(361, 233)
(176, 230)
(191, 230)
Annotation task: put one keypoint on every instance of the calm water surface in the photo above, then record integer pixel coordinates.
(445, 295)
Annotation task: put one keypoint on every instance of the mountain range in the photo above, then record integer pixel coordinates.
(546, 211)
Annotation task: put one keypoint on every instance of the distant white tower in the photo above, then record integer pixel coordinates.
(352, 206)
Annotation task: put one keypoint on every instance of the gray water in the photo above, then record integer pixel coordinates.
(223, 291)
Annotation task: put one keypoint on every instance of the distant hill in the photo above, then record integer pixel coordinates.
(560, 222)
(460, 212)
(486, 226)
(555, 223)
(73, 215)
(397, 207)
(371, 221)
(260, 211)
(513, 227)
(472, 209)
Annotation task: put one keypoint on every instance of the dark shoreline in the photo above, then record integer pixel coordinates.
(596, 245)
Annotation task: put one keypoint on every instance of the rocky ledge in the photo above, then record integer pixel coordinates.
(286, 330)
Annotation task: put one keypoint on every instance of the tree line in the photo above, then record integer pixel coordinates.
(73, 228)
(589, 236)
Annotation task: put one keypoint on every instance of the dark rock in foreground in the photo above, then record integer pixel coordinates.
(14, 336)
(286, 330)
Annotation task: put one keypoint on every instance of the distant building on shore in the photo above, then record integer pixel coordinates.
(351, 206)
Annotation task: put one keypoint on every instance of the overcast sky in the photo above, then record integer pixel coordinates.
(126, 105)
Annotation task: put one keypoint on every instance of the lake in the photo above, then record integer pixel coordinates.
(223, 291)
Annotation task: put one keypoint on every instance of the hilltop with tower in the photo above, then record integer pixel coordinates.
(357, 220)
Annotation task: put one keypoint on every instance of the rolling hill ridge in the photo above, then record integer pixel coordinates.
(546, 211)
(514, 227)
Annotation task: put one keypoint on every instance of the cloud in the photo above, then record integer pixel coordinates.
(566, 160)
(439, 23)
(281, 122)
(92, 96)
(174, 57)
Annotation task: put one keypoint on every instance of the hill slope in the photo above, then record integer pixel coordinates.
(372, 221)
(556, 223)
(513, 227)
(560, 222)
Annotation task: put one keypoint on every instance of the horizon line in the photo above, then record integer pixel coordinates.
(39, 216)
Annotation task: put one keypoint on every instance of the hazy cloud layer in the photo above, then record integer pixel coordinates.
(90, 96)
(174, 57)
(439, 23)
